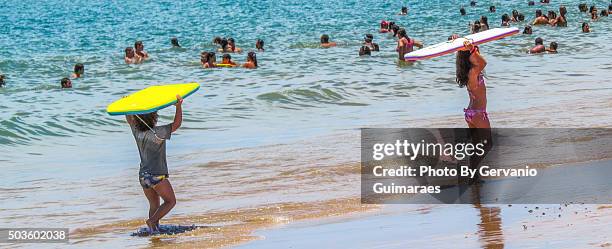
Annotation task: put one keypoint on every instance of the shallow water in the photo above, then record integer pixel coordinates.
(260, 136)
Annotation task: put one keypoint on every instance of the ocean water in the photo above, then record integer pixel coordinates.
(253, 137)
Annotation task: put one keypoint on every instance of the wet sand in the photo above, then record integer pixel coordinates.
(451, 226)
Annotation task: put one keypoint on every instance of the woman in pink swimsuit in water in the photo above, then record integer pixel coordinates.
(470, 64)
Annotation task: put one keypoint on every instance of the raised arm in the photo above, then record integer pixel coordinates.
(478, 63)
(178, 115)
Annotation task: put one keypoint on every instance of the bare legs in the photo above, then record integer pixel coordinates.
(156, 211)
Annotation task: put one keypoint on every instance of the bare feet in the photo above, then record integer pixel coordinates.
(152, 226)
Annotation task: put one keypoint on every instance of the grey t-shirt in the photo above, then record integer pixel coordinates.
(152, 149)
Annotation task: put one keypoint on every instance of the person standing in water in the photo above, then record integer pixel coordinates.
(251, 62)
(405, 44)
(2, 80)
(79, 70)
(259, 45)
(175, 43)
(470, 64)
(140, 52)
(153, 173)
(326, 43)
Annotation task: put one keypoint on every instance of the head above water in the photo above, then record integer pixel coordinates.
(369, 36)
(129, 52)
(539, 41)
(252, 57)
(463, 66)
(404, 10)
(324, 39)
(66, 83)
(604, 13)
(492, 9)
(145, 122)
(79, 68)
(553, 45)
(139, 46)
(484, 20)
(217, 40)
(2, 80)
(224, 44)
(259, 44)
(174, 42)
(531, 3)
(401, 33)
(462, 11)
(473, 3)
(528, 30)
(538, 13)
(585, 27)
(212, 57)
(505, 18)
(562, 10)
(227, 58)
(583, 7)
(365, 50)
(521, 17)
(204, 57)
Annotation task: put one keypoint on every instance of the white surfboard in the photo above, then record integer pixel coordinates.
(449, 47)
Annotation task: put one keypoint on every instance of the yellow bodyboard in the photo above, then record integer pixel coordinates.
(151, 99)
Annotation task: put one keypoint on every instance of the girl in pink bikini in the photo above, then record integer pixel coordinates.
(470, 64)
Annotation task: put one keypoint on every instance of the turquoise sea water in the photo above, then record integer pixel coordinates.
(53, 137)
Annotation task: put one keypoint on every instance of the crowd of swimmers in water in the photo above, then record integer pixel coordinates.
(405, 44)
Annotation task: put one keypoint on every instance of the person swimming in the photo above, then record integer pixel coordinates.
(544, 1)
(505, 20)
(368, 42)
(384, 27)
(594, 16)
(492, 9)
(66, 83)
(326, 43)
(484, 23)
(539, 46)
(364, 50)
(174, 42)
(462, 11)
(528, 30)
(79, 70)
(521, 17)
(140, 52)
(603, 13)
(586, 28)
(405, 44)
(531, 3)
(153, 171)
(610, 9)
(2, 83)
(130, 56)
(227, 59)
(583, 7)
(469, 67)
(231, 45)
(552, 48)
(404, 11)
(540, 18)
(251, 62)
(259, 45)
(473, 3)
